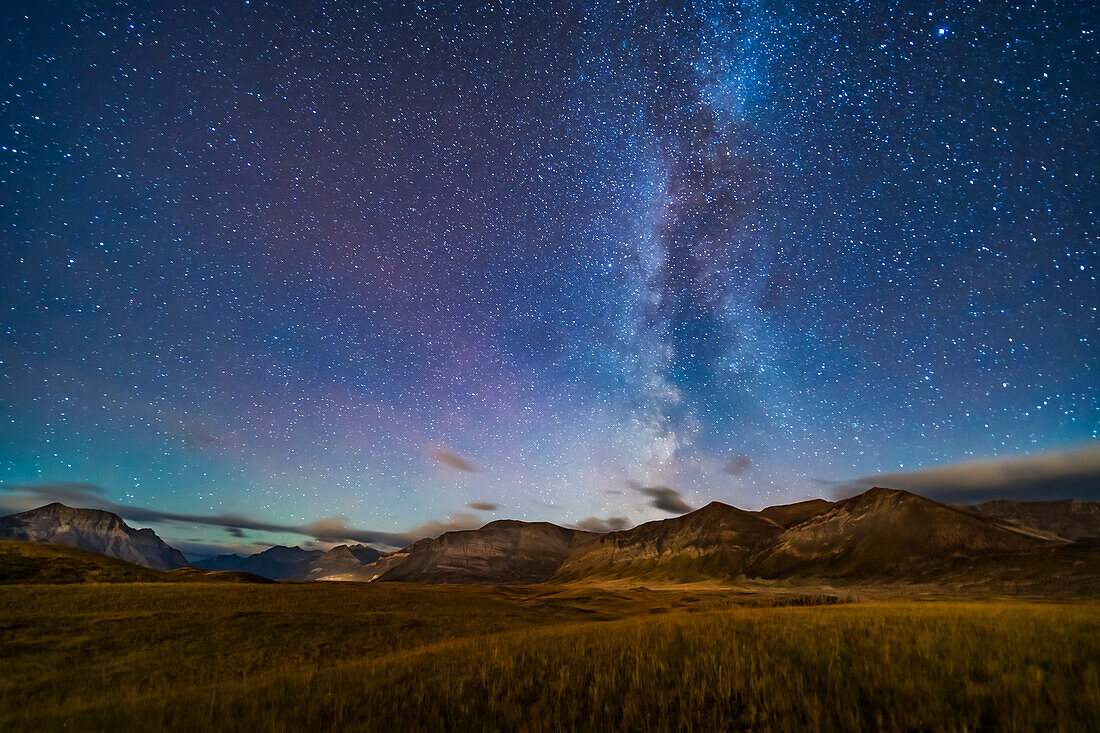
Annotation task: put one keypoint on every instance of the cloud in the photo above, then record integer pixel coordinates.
(457, 522)
(195, 550)
(455, 461)
(235, 531)
(664, 498)
(61, 490)
(596, 524)
(483, 506)
(737, 465)
(330, 529)
(1072, 474)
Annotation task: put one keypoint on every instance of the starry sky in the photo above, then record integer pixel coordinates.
(429, 264)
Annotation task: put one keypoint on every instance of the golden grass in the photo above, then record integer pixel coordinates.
(395, 657)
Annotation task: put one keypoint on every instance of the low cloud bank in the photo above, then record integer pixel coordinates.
(1071, 474)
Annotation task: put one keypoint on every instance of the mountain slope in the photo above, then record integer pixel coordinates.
(93, 530)
(43, 563)
(717, 541)
(505, 551)
(884, 533)
(788, 515)
(1069, 519)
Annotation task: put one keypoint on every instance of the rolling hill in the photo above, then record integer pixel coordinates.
(45, 563)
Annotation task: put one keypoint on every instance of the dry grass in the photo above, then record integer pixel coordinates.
(396, 657)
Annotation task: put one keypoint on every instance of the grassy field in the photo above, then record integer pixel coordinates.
(392, 657)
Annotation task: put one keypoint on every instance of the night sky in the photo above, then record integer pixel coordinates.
(297, 263)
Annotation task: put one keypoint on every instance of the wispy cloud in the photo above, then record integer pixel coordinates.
(330, 529)
(1053, 475)
(451, 459)
(483, 506)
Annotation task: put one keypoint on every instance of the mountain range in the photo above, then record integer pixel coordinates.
(294, 563)
(879, 536)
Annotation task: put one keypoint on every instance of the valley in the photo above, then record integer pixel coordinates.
(389, 656)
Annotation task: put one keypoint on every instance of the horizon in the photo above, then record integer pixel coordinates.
(324, 545)
(397, 270)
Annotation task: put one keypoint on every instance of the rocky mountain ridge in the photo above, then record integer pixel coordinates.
(879, 535)
(94, 530)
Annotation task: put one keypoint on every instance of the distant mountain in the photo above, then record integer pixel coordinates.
(716, 541)
(278, 563)
(1069, 519)
(884, 533)
(343, 562)
(93, 530)
(505, 551)
(221, 562)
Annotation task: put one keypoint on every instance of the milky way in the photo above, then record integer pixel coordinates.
(431, 264)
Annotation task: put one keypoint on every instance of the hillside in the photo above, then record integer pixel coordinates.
(1068, 518)
(788, 515)
(880, 536)
(43, 563)
(884, 533)
(717, 541)
(505, 551)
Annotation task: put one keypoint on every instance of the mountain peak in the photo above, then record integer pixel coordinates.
(95, 530)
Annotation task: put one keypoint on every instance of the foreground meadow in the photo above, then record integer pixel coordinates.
(391, 657)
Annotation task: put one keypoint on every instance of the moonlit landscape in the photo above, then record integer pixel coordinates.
(549, 366)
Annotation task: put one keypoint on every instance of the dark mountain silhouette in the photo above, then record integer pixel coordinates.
(93, 530)
(278, 563)
(221, 562)
(294, 563)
